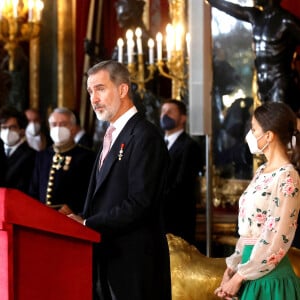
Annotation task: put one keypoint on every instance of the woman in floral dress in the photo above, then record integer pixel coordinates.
(268, 209)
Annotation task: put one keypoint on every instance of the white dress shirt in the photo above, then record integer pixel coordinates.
(172, 138)
(121, 122)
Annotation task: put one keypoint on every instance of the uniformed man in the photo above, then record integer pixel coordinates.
(62, 171)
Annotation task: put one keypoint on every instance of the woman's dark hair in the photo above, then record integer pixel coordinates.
(280, 119)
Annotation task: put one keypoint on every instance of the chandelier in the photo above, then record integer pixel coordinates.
(20, 20)
(170, 58)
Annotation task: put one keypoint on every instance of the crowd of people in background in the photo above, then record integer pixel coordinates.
(25, 138)
(57, 165)
(143, 184)
(143, 181)
(52, 161)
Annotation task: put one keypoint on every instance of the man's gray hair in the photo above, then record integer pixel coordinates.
(64, 111)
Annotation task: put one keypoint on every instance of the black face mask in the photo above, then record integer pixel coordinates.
(167, 123)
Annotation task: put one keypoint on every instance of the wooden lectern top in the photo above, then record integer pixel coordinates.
(19, 209)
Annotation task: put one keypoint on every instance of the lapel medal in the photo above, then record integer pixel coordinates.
(121, 151)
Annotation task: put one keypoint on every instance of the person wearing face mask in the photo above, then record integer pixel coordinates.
(183, 175)
(62, 171)
(18, 162)
(259, 268)
(35, 135)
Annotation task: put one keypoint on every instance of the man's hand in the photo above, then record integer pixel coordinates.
(65, 210)
(76, 218)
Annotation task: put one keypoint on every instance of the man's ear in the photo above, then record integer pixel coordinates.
(22, 132)
(73, 130)
(123, 90)
(183, 119)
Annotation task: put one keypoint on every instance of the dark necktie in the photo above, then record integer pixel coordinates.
(7, 151)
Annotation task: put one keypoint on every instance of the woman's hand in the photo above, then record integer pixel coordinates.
(229, 289)
(226, 277)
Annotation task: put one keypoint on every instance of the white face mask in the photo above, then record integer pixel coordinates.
(60, 135)
(10, 137)
(253, 143)
(33, 129)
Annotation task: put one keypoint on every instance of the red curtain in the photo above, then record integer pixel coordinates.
(164, 9)
(82, 12)
(110, 31)
(292, 6)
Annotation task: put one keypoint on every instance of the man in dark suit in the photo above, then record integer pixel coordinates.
(125, 196)
(36, 134)
(81, 136)
(19, 161)
(183, 176)
(62, 171)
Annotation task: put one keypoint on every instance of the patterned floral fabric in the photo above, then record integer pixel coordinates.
(268, 211)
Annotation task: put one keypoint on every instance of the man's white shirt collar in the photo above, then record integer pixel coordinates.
(78, 135)
(173, 137)
(14, 148)
(121, 122)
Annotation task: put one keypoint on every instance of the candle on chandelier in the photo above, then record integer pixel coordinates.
(1, 8)
(151, 51)
(15, 8)
(130, 45)
(30, 10)
(178, 37)
(120, 44)
(169, 41)
(138, 33)
(159, 46)
(188, 43)
(39, 6)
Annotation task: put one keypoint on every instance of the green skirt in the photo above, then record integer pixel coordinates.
(280, 284)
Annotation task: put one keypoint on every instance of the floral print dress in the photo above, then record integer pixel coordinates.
(268, 211)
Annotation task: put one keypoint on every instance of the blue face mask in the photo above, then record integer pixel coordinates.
(167, 123)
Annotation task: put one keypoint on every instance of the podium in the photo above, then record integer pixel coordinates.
(43, 254)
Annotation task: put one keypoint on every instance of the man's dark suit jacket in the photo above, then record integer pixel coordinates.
(69, 185)
(86, 140)
(183, 187)
(124, 203)
(19, 168)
